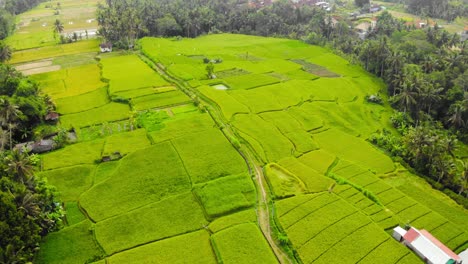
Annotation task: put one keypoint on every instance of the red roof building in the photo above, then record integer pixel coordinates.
(426, 246)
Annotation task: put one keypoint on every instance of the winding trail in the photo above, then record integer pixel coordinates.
(263, 209)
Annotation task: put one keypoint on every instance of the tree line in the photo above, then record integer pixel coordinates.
(28, 206)
(8, 10)
(445, 9)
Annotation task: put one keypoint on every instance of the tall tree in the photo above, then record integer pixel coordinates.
(58, 28)
(5, 52)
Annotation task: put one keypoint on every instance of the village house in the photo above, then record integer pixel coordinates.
(426, 246)
(106, 47)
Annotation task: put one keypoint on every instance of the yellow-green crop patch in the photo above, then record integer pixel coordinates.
(322, 226)
(225, 195)
(354, 149)
(170, 217)
(130, 94)
(128, 73)
(54, 51)
(82, 102)
(74, 244)
(243, 243)
(193, 247)
(228, 104)
(70, 82)
(72, 181)
(126, 142)
(144, 176)
(159, 100)
(76, 154)
(208, 155)
(107, 113)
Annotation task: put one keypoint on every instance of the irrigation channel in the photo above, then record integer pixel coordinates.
(263, 209)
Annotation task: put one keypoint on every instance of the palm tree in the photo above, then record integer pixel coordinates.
(8, 112)
(463, 178)
(429, 95)
(4, 136)
(406, 97)
(19, 166)
(456, 114)
(5, 52)
(58, 28)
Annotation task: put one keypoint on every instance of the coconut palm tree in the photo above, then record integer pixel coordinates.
(429, 95)
(406, 97)
(9, 112)
(58, 28)
(4, 136)
(463, 177)
(19, 166)
(456, 115)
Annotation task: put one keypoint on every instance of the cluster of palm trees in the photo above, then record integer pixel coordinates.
(10, 116)
(28, 206)
(430, 83)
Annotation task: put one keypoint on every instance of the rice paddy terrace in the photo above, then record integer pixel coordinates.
(210, 170)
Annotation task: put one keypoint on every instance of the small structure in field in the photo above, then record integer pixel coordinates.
(106, 47)
(43, 145)
(426, 246)
(52, 117)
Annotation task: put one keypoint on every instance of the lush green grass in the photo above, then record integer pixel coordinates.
(224, 222)
(70, 82)
(190, 248)
(83, 102)
(126, 142)
(107, 113)
(76, 154)
(170, 217)
(52, 51)
(74, 244)
(243, 243)
(71, 181)
(208, 155)
(159, 100)
(128, 73)
(144, 176)
(226, 195)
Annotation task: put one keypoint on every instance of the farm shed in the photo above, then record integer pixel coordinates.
(106, 47)
(52, 117)
(426, 246)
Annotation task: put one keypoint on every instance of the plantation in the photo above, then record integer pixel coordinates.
(167, 162)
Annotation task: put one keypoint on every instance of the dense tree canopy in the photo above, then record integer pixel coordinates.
(28, 209)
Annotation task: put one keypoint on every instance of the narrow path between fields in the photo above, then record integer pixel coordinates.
(263, 210)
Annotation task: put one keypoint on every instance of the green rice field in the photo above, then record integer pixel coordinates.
(172, 167)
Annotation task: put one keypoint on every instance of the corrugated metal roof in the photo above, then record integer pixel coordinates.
(411, 235)
(431, 248)
(440, 245)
